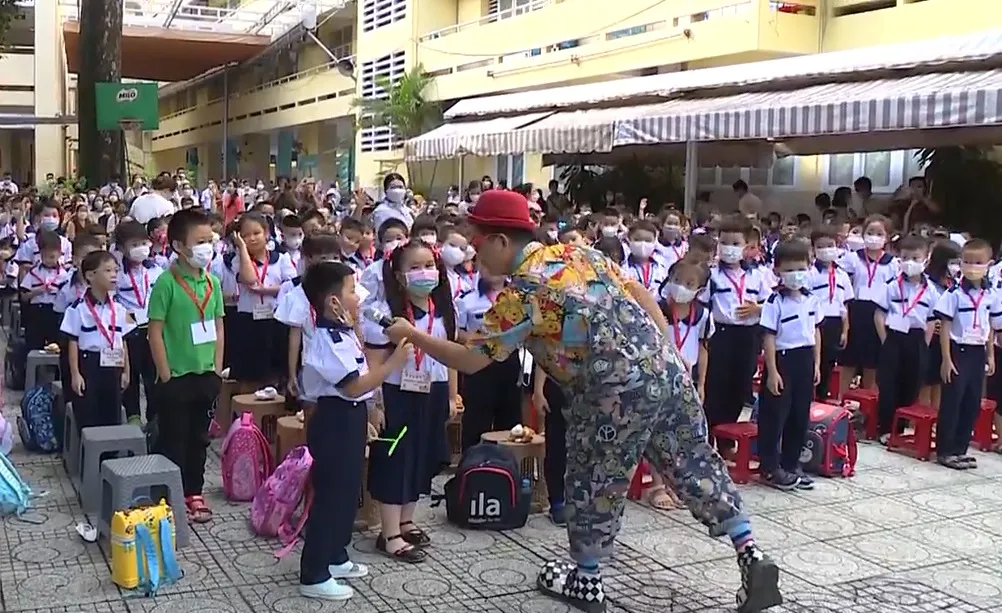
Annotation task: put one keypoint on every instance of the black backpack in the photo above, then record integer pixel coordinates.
(487, 492)
(14, 363)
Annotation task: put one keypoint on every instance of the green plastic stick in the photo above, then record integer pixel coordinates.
(393, 441)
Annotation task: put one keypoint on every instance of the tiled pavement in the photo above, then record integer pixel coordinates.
(902, 536)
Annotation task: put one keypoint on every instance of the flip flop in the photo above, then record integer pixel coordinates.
(87, 532)
(198, 511)
(661, 499)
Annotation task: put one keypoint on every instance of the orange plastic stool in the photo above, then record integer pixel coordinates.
(985, 436)
(742, 433)
(920, 444)
(867, 400)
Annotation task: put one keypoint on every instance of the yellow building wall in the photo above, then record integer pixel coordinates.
(911, 21)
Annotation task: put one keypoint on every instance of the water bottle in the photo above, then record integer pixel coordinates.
(526, 486)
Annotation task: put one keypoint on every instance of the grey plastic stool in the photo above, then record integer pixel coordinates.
(95, 442)
(71, 448)
(122, 477)
(38, 359)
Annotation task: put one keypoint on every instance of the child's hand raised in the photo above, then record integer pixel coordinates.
(238, 241)
(400, 355)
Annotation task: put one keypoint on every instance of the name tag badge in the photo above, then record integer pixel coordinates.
(203, 332)
(263, 311)
(113, 358)
(975, 336)
(415, 381)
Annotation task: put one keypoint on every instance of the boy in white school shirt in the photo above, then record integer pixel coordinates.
(39, 287)
(832, 288)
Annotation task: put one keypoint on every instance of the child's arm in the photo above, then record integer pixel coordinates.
(387, 363)
(946, 370)
(883, 302)
(220, 344)
(843, 339)
(246, 275)
(774, 382)
(701, 362)
(292, 359)
(453, 392)
(880, 322)
(73, 358)
(817, 356)
(127, 368)
(159, 350)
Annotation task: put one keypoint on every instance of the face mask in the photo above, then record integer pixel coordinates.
(610, 230)
(452, 255)
(470, 252)
(642, 250)
(293, 242)
(873, 241)
(911, 268)
(260, 186)
(552, 234)
(974, 272)
(680, 293)
(672, 232)
(730, 254)
(201, 255)
(389, 246)
(49, 223)
(794, 279)
(854, 242)
(396, 195)
(953, 269)
(422, 282)
(827, 254)
(139, 253)
(429, 239)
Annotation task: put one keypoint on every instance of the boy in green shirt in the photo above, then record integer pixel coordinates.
(186, 340)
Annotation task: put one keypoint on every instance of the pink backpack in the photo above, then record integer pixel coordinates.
(246, 460)
(277, 500)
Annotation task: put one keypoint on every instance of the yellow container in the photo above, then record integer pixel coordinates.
(124, 570)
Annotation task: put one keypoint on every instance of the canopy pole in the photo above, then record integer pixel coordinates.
(691, 176)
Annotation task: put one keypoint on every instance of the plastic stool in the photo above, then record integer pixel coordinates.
(291, 433)
(265, 412)
(121, 477)
(71, 448)
(920, 444)
(224, 404)
(867, 400)
(985, 436)
(637, 485)
(94, 443)
(367, 517)
(38, 359)
(744, 434)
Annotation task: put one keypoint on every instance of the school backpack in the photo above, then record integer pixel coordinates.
(276, 501)
(15, 358)
(143, 555)
(246, 460)
(830, 447)
(6, 436)
(487, 492)
(36, 425)
(15, 495)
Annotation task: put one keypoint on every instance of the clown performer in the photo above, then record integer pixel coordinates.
(602, 338)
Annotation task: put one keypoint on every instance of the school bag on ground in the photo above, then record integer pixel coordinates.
(36, 424)
(6, 436)
(246, 460)
(15, 358)
(830, 447)
(15, 495)
(487, 492)
(276, 501)
(142, 548)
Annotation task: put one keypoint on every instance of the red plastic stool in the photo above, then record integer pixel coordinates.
(867, 400)
(742, 433)
(637, 485)
(759, 374)
(835, 384)
(984, 429)
(920, 444)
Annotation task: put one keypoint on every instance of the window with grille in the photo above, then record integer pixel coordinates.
(886, 169)
(386, 69)
(379, 13)
(782, 173)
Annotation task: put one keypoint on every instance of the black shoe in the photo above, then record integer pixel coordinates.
(558, 515)
(759, 581)
(562, 581)
(782, 480)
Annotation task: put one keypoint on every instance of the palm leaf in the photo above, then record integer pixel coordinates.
(402, 105)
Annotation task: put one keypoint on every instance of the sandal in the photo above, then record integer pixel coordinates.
(415, 536)
(408, 553)
(661, 499)
(969, 461)
(198, 511)
(953, 462)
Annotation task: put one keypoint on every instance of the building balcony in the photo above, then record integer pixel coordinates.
(522, 46)
(317, 94)
(861, 23)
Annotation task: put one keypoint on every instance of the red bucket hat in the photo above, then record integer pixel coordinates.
(502, 209)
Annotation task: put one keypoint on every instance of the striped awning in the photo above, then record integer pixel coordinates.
(940, 100)
(479, 138)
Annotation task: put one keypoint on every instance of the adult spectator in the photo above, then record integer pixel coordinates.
(8, 185)
(749, 204)
(114, 186)
(866, 203)
(914, 207)
(209, 196)
(232, 203)
(157, 203)
(556, 203)
(394, 202)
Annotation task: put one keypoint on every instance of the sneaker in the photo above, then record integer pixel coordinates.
(782, 480)
(328, 590)
(562, 581)
(558, 515)
(348, 570)
(759, 581)
(805, 482)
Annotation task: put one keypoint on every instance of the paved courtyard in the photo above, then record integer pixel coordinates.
(902, 536)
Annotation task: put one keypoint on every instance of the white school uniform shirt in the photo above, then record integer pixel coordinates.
(869, 276)
(672, 252)
(133, 288)
(40, 275)
(332, 357)
(901, 295)
(374, 337)
(792, 317)
(73, 290)
(831, 287)
(651, 274)
(79, 323)
(219, 266)
(10, 274)
(721, 293)
(279, 269)
(461, 282)
(971, 312)
(471, 308)
(372, 280)
(28, 253)
(689, 332)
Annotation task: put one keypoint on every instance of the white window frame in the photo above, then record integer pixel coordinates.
(391, 67)
(510, 165)
(718, 181)
(898, 175)
(379, 13)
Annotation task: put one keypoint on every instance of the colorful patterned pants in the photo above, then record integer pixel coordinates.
(620, 416)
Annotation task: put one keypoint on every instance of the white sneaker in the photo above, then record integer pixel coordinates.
(328, 590)
(348, 570)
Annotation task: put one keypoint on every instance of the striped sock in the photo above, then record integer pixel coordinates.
(740, 533)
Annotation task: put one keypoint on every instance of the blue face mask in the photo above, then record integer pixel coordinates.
(422, 282)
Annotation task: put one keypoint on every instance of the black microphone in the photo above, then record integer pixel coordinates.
(377, 316)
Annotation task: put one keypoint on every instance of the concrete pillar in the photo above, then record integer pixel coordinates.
(50, 152)
(214, 161)
(283, 160)
(255, 156)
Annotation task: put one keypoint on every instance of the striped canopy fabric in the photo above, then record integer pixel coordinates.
(478, 138)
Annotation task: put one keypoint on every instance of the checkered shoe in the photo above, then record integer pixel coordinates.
(583, 592)
(759, 581)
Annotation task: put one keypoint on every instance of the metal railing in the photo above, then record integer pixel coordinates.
(514, 11)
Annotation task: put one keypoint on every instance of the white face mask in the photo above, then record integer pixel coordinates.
(389, 246)
(642, 250)
(139, 253)
(429, 239)
(452, 255)
(294, 241)
(552, 234)
(201, 255)
(396, 194)
(610, 230)
(827, 254)
(730, 254)
(854, 242)
(680, 293)
(874, 241)
(794, 279)
(911, 268)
